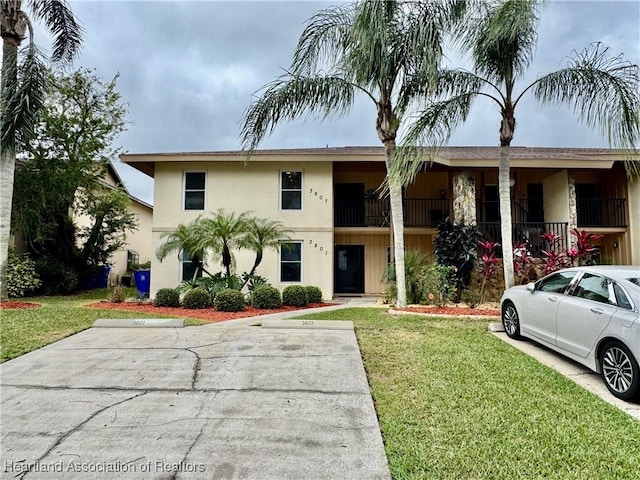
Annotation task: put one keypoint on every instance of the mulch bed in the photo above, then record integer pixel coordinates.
(14, 305)
(208, 314)
(452, 310)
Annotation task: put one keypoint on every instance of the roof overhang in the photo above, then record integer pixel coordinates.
(454, 157)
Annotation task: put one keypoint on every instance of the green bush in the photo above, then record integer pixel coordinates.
(57, 278)
(229, 300)
(457, 246)
(167, 297)
(314, 294)
(295, 296)
(197, 298)
(266, 297)
(117, 294)
(22, 278)
(438, 282)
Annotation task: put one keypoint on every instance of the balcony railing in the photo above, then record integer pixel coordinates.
(418, 212)
(528, 232)
(601, 212)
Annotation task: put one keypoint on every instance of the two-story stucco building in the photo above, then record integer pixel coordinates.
(341, 232)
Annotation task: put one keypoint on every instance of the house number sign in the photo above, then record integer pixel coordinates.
(317, 194)
(319, 247)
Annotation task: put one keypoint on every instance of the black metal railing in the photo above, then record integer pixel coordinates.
(418, 212)
(530, 233)
(425, 212)
(601, 212)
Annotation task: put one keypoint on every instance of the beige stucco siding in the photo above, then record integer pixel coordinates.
(254, 188)
(634, 219)
(556, 197)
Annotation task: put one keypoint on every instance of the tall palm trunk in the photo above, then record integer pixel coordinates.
(504, 192)
(397, 222)
(7, 163)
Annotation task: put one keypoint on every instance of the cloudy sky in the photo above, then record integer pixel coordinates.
(189, 69)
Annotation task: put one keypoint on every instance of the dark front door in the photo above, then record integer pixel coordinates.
(535, 203)
(349, 269)
(349, 205)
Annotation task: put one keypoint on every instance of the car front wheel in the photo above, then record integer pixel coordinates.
(510, 320)
(620, 371)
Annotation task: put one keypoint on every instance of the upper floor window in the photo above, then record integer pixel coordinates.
(194, 188)
(291, 190)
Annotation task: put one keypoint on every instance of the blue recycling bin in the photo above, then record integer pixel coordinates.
(98, 279)
(143, 282)
(103, 276)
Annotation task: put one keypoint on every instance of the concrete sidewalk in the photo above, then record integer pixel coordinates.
(219, 402)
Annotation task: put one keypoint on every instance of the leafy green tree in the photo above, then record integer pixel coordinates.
(383, 51)
(110, 221)
(22, 89)
(501, 37)
(62, 168)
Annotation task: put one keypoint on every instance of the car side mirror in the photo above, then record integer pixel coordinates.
(531, 287)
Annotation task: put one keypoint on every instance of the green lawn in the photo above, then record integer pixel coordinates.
(24, 330)
(455, 402)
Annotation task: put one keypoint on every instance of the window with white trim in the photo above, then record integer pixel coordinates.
(189, 267)
(194, 188)
(290, 190)
(291, 262)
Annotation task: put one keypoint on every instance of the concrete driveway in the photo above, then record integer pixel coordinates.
(213, 402)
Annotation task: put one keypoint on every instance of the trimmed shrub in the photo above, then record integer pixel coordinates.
(22, 278)
(295, 296)
(167, 297)
(266, 297)
(229, 301)
(314, 294)
(197, 298)
(57, 278)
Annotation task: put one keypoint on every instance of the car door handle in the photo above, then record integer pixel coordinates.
(597, 311)
(552, 299)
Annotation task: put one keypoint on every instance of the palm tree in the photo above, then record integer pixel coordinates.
(22, 89)
(264, 234)
(222, 233)
(381, 50)
(602, 90)
(185, 238)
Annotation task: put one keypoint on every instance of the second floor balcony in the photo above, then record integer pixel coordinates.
(373, 212)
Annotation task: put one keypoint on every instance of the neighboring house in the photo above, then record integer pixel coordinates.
(341, 231)
(138, 247)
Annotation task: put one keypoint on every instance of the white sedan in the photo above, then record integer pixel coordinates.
(589, 314)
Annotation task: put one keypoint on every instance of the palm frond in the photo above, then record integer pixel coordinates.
(60, 21)
(23, 95)
(603, 91)
(292, 96)
(427, 134)
(323, 40)
(502, 38)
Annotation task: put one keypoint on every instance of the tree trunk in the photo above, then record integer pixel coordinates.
(7, 166)
(397, 221)
(504, 192)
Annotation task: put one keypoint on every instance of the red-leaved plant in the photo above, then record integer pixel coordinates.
(488, 260)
